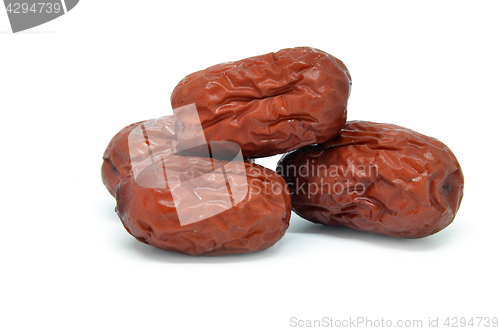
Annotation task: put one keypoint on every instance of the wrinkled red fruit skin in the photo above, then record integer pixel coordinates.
(270, 104)
(116, 159)
(413, 190)
(254, 224)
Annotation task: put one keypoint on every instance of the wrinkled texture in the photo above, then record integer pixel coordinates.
(378, 178)
(199, 189)
(256, 223)
(116, 159)
(270, 104)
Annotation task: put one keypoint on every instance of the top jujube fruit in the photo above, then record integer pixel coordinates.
(272, 103)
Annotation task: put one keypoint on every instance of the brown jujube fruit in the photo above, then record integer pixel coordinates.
(272, 103)
(255, 223)
(378, 178)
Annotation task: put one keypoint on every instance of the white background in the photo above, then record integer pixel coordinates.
(68, 86)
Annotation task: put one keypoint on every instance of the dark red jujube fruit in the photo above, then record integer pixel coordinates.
(272, 103)
(378, 178)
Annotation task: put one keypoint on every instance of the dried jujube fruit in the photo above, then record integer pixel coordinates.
(272, 103)
(255, 223)
(378, 178)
